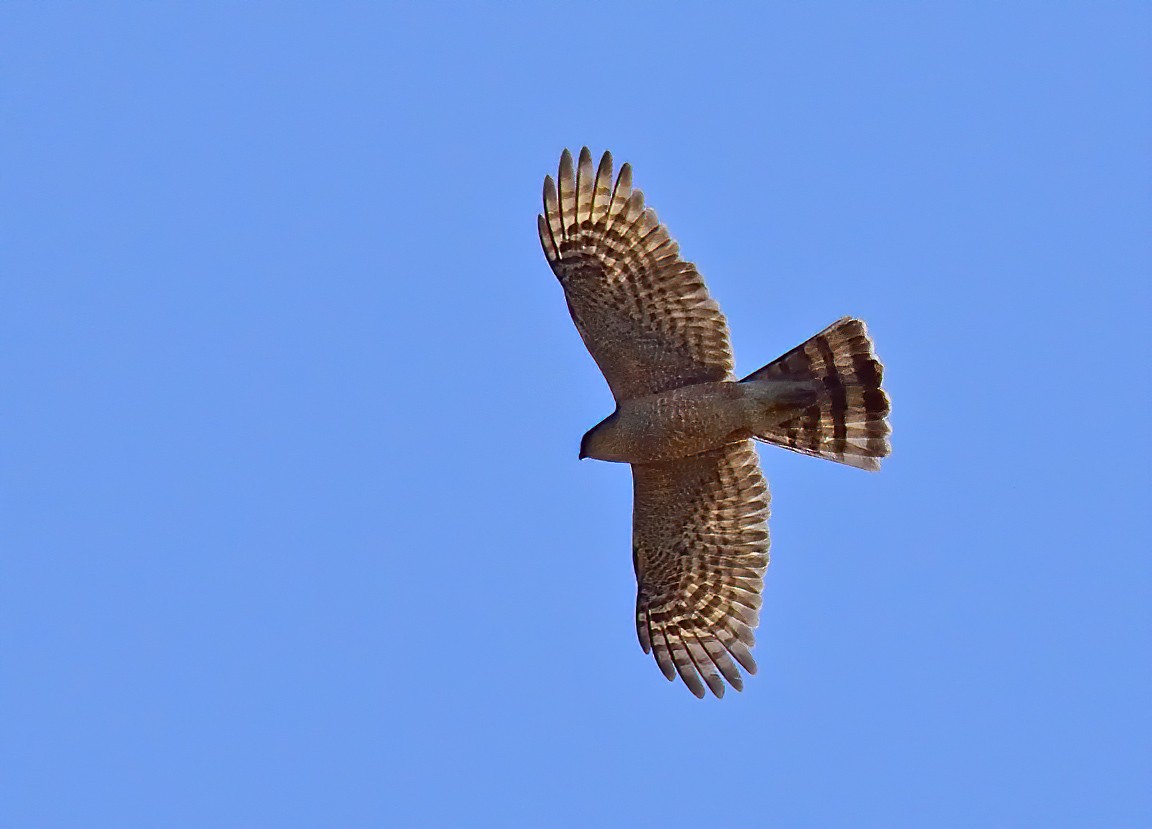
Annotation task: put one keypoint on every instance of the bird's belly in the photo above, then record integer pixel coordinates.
(683, 422)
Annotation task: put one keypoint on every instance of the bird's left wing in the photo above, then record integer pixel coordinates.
(644, 313)
(700, 547)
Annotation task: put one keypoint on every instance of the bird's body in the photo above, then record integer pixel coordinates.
(669, 425)
(685, 424)
(689, 420)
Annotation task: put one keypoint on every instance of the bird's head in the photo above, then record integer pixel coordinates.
(601, 441)
(585, 449)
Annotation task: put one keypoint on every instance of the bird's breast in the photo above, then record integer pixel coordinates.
(681, 422)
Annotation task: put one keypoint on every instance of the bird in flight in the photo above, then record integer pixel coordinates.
(687, 425)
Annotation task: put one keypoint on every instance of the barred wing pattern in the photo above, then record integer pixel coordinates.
(643, 312)
(700, 548)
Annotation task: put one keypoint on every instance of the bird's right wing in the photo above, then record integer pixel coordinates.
(644, 313)
(700, 547)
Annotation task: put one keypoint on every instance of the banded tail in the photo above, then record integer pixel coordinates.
(834, 407)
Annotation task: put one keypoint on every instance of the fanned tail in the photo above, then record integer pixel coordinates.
(827, 399)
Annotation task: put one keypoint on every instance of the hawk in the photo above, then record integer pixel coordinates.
(687, 425)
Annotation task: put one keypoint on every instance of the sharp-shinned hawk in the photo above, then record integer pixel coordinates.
(686, 425)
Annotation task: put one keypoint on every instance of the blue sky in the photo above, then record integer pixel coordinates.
(293, 528)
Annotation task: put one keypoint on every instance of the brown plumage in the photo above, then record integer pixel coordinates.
(685, 424)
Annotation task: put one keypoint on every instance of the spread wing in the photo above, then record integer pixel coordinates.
(700, 546)
(644, 313)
